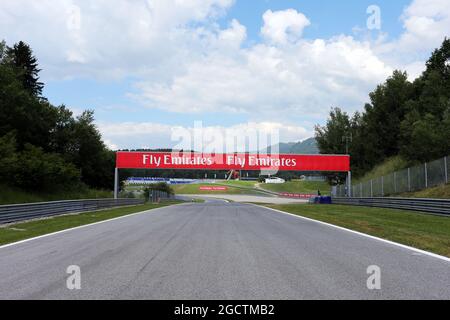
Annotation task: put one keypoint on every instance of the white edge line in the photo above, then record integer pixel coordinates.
(84, 226)
(434, 255)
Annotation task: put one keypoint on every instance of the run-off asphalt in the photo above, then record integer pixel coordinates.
(217, 250)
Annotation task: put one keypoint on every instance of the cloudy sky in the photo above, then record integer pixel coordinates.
(148, 66)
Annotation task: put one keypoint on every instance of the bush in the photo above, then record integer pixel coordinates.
(161, 186)
(36, 169)
(8, 158)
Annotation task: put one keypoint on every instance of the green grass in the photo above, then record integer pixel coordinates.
(426, 232)
(440, 192)
(25, 230)
(299, 187)
(239, 183)
(388, 166)
(10, 195)
(195, 189)
(135, 187)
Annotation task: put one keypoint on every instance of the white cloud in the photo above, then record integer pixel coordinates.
(182, 61)
(233, 36)
(265, 80)
(426, 23)
(106, 38)
(284, 26)
(156, 135)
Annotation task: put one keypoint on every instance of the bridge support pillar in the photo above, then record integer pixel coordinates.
(116, 183)
(349, 184)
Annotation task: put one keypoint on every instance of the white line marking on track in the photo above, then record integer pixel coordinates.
(84, 226)
(434, 255)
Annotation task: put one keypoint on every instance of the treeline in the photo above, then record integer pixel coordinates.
(44, 147)
(410, 119)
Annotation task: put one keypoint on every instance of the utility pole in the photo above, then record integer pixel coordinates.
(116, 183)
(347, 139)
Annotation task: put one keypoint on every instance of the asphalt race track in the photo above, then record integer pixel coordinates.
(217, 250)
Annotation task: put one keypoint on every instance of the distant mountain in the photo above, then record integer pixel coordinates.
(308, 146)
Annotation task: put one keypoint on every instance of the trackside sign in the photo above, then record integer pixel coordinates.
(243, 161)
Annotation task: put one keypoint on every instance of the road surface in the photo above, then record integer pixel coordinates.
(247, 198)
(217, 250)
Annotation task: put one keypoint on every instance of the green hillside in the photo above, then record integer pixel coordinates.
(308, 146)
(439, 192)
(388, 166)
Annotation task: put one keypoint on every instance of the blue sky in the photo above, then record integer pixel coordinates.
(329, 17)
(148, 66)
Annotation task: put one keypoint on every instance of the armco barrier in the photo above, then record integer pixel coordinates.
(437, 206)
(297, 195)
(20, 212)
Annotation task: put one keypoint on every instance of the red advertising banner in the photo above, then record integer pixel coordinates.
(239, 161)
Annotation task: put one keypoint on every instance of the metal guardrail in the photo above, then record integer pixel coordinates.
(26, 211)
(436, 206)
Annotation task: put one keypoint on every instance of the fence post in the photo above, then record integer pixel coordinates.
(349, 184)
(382, 186)
(361, 190)
(371, 188)
(395, 182)
(116, 183)
(426, 175)
(446, 169)
(409, 179)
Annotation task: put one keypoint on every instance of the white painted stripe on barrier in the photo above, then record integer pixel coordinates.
(434, 255)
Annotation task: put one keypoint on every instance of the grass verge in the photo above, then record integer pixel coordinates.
(439, 192)
(426, 232)
(238, 183)
(11, 195)
(195, 189)
(25, 230)
(299, 187)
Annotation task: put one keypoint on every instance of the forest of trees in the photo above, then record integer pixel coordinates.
(410, 119)
(44, 147)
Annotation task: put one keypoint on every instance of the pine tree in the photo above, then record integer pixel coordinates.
(21, 57)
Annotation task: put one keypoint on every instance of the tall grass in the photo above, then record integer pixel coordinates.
(439, 192)
(11, 195)
(390, 165)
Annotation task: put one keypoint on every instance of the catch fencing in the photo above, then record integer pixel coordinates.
(20, 212)
(412, 179)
